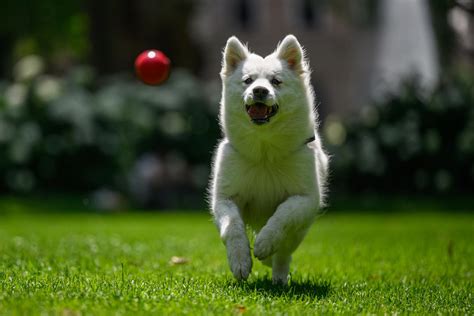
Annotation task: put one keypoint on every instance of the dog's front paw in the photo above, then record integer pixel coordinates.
(240, 260)
(266, 243)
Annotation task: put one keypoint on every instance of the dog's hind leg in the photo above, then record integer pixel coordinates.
(280, 268)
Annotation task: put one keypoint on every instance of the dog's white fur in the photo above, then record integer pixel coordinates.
(266, 176)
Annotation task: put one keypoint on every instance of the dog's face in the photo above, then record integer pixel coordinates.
(263, 90)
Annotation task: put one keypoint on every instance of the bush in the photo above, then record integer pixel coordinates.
(72, 134)
(408, 142)
(76, 133)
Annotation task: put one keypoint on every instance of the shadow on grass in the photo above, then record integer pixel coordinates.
(307, 288)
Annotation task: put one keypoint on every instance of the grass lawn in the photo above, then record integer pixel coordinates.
(77, 262)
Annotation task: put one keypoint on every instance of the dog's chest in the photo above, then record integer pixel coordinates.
(260, 187)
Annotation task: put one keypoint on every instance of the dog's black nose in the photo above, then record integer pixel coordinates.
(260, 92)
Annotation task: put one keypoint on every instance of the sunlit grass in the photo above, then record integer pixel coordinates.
(367, 262)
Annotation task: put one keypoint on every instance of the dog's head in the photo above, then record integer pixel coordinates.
(262, 90)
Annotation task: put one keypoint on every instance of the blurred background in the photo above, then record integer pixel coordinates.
(394, 82)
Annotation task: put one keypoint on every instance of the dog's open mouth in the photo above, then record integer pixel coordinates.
(261, 113)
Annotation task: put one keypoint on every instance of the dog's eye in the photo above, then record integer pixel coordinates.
(248, 80)
(275, 82)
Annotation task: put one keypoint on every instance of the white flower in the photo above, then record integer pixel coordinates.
(15, 94)
(28, 68)
(48, 89)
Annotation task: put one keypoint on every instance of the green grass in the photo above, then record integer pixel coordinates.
(71, 263)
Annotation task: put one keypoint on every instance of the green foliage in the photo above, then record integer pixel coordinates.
(386, 263)
(70, 133)
(76, 133)
(44, 27)
(408, 142)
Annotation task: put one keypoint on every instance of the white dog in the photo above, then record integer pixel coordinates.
(269, 170)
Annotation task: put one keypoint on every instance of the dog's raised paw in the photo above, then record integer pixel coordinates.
(240, 260)
(265, 244)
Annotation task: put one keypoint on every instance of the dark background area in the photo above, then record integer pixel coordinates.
(75, 120)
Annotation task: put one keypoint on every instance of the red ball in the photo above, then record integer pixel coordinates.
(152, 67)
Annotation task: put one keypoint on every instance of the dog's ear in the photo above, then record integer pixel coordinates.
(291, 51)
(234, 53)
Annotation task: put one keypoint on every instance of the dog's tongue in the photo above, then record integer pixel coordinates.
(257, 111)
